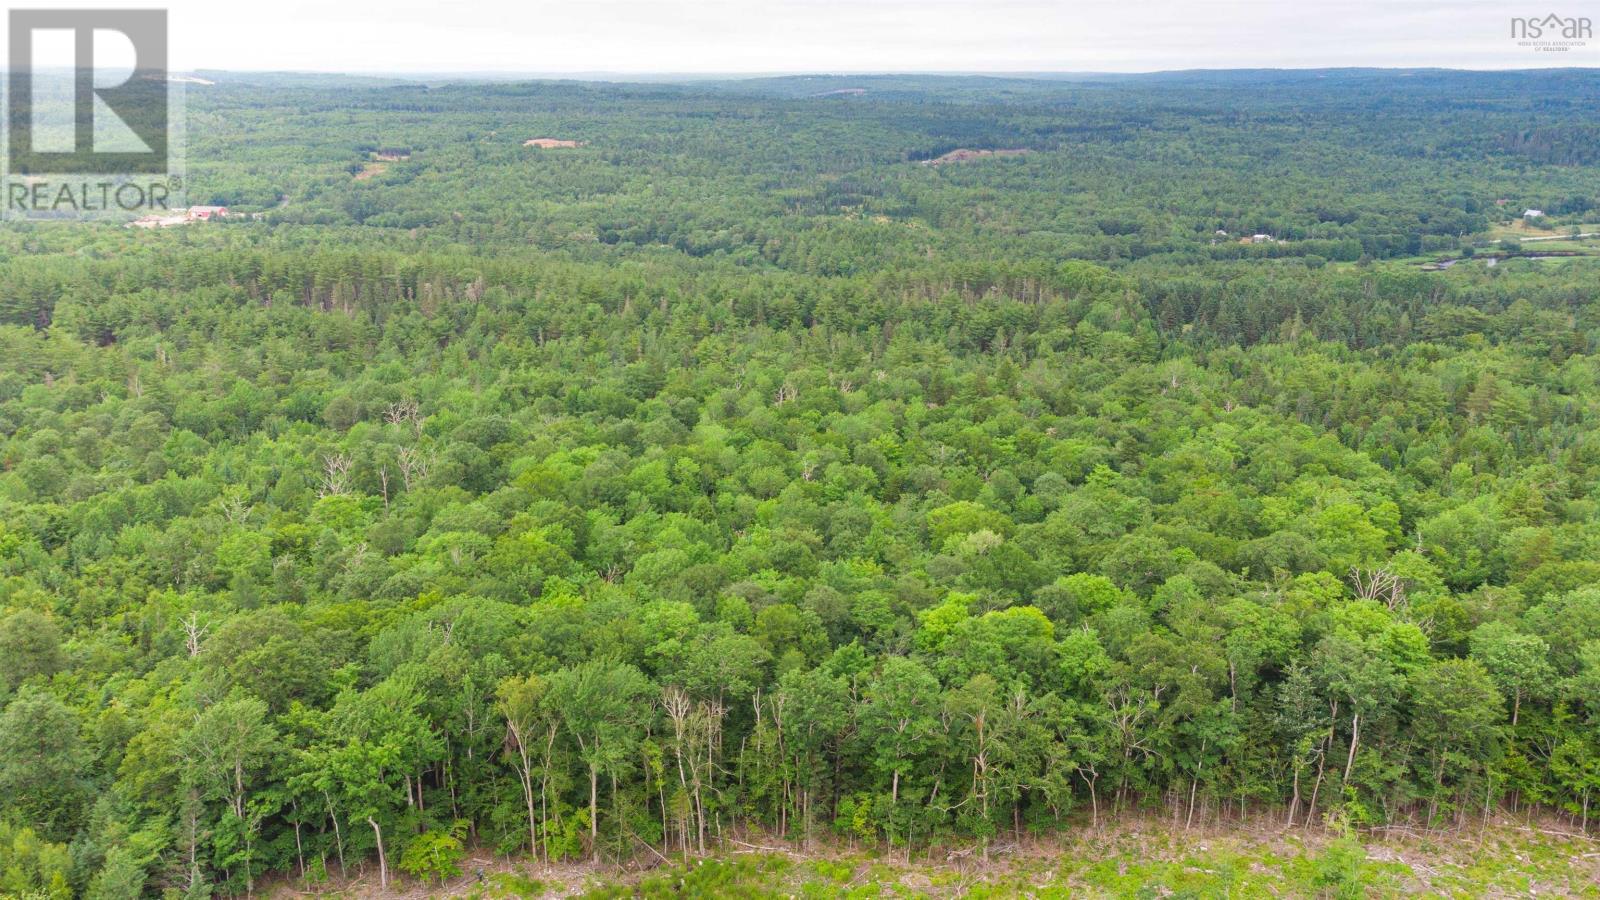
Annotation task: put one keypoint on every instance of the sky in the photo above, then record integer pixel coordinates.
(854, 36)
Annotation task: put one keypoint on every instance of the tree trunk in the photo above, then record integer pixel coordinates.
(533, 827)
(1294, 800)
(1322, 762)
(594, 813)
(338, 837)
(1438, 785)
(1094, 798)
(544, 792)
(1194, 785)
(383, 861)
(1355, 731)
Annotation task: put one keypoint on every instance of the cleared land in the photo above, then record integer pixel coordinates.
(1148, 858)
(968, 155)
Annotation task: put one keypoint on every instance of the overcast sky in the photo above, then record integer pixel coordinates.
(764, 36)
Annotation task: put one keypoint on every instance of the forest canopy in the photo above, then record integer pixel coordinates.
(741, 470)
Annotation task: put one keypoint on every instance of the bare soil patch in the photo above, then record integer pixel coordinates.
(552, 143)
(965, 154)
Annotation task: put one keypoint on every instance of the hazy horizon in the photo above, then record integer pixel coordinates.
(715, 38)
(711, 75)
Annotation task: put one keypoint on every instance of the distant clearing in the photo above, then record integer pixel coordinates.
(843, 92)
(964, 154)
(1521, 230)
(552, 143)
(371, 170)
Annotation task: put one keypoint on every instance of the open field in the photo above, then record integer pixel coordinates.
(1521, 230)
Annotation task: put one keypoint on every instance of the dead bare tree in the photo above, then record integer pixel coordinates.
(235, 509)
(405, 412)
(335, 475)
(414, 466)
(194, 633)
(1379, 584)
(696, 730)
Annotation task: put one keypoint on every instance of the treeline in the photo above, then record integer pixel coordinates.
(350, 558)
(972, 304)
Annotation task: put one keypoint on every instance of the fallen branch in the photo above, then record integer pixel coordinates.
(647, 846)
(1405, 828)
(757, 848)
(1553, 833)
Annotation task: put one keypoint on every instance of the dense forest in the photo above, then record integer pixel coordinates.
(753, 468)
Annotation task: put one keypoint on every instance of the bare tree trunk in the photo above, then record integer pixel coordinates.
(544, 792)
(1322, 761)
(1355, 731)
(594, 813)
(1194, 785)
(527, 795)
(1294, 801)
(1094, 798)
(338, 838)
(193, 834)
(383, 860)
